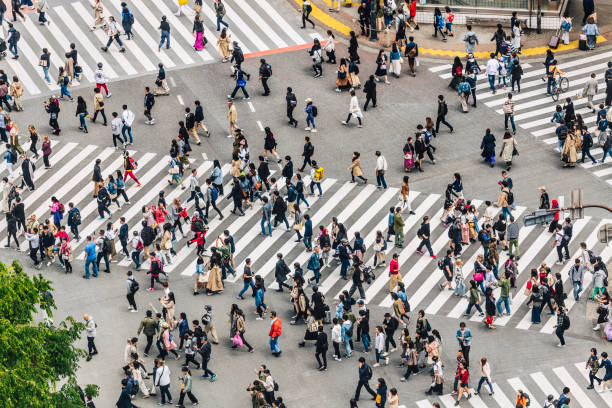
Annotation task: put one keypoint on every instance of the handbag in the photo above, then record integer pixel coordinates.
(173, 170)
(478, 276)
(237, 340)
(182, 2)
(168, 245)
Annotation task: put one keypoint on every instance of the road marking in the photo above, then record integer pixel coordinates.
(577, 393)
(251, 107)
(172, 81)
(260, 125)
(606, 396)
(180, 99)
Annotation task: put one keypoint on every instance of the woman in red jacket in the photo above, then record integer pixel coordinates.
(275, 332)
(464, 377)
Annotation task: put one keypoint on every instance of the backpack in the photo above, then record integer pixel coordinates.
(134, 389)
(214, 193)
(139, 245)
(269, 69)
(510, 198)
(369, 373)
(106, 246)
(130, 18)
(315, 111)
(566, 322)
(444, 108)
(76, 217)
(592, 257)
(61, 208)
(427, 325)
(481, 235)
(13, 154)
(441, 264)
(17, 35)
(134, 286)
(319, 174)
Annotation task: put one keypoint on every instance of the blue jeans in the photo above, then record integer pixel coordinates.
(586, 152)
(64, 90)
(481, 286)
(274, 345)
(366, 341)
(136, 258)
(560, 144)
(46, 71)
(380, 180)
(300, 196)
(511, 117)
(220, 21)
(82, 120)
(379, 356)
(244, 91)
(310, 121)
(165, 37)
(127, 129)
(265, 220)
(492, 82)
(347, 347)
(207, 372)
(308, 241)
(13, 48)
(505, 301)
(606, 153)
(246, 286)
(312, 186)
(577, 289)
(506, 212)
(94, 267)
(482, 381)
(344, 267)
(535, 314)
(469, 308)
(459, 285)
(549, 85)
(116, 38)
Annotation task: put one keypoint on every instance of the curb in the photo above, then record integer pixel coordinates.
(334, 24)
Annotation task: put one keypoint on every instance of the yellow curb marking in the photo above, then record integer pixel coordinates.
(326, 19)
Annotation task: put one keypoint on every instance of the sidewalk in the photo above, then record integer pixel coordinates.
(532, 44)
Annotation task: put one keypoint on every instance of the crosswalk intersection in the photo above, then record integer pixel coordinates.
(257, 26)
(538, 385)
(361, 208)
(534, 109)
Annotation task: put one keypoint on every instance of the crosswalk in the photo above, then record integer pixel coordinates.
(537, 385)
(361, 208)
(257, 26)
(534, 109)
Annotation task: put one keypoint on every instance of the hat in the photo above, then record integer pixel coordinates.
(344, 240)
(308, 100)
(360, 302)
(165, 325)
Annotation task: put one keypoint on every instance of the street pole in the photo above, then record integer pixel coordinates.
(539, 18)
(373, 36)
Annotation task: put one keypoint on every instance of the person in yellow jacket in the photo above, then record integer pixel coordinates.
(232, 117)
(15, 91)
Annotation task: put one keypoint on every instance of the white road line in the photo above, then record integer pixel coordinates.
(176, 25)
(476, 401)
(606, 396)
(251, 107)
(32, 57)
(421, 404)
(519, 296)
(359, 225)
(54, 144)
(540, 379)
(24, 77)
(578, 394)
(180, 99)
(260, 23)
(174, 45)
(237, 21)
(551, 129)
(65, 44)
(84, 40)
(501, 398)
(259, 124)
(517, 384)
(440, 68)
(172, 81)
(282, 23)
(210, 14)
(550, 109)
(447, 401)
(318, 219)
(603, 173)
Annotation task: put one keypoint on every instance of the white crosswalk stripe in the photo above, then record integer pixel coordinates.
(534, 109)
(362, 209)
(256, 26)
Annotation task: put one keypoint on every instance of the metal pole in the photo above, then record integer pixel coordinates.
(539, 18)
(580, 207)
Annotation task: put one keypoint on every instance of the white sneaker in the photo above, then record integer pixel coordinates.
(314, 131)
(596, 327)
(393, 350)
(560, 345)
(259, 318)
(376, 365)
(307, 128)
(133, 311)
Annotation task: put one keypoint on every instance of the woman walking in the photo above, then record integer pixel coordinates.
(396, 61)
(81, 112)
(33, 140)
(111, 186)
(129, 165)
(381, 67)
(270, 145)
(223, 42)
(241, 328)
(14, 132)
(487, 148)
(355, 168)
(485, 376)
(298, 221)
(330, 47)
(354, 110)
(198, 28)
(46, 151)
(508, 149)
(121, 187)
(352, 49)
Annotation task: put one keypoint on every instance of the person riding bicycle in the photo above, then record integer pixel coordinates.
(553, 74)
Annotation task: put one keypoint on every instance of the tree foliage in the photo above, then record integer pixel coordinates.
(38, 361)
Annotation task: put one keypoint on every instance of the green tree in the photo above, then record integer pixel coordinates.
(38, 361)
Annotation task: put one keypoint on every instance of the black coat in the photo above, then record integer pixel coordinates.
(488, 146)
(322, 343)
(370, 88)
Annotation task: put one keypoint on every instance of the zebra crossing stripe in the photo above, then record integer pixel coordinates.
(577, 392)
(24, 77)
(584, 372)
(421, 404)
(440, 68)
(519, 296)
(259, 22)
(570, 302)
(421, 265)
(318, 217)
(540, 379)
(53, 146)
(604, 172)
(500, 397)
(370, 239)
(517, 384)
(153, 22)
(102, 38)
(342, 217)
(31, 56)
(476, 401)
(93, 226)
(84, 40)
(42, 43)
(551, 129)
(447, 401)
(133, 47)
(237, 21)
(282, 23)
(359, 225)
(178, 26)
(234, 37)
(57, 32)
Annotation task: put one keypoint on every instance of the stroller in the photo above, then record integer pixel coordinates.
(368, 274)
(3, 48)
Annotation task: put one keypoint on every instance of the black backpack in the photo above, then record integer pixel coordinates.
(134, 286)
(315, 111)
(13, 156)
(106, 246)
(17, 35)
(269, 69)
(510, 198)
(76, 217)
(369, 373)
(566, 322)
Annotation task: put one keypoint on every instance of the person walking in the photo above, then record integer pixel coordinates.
(563, 323)
(113, 34)
(306, 9)
(275, 333)
(381, 169)
(164, 28)
(13, 38)
(90, 330)
(161, 86)
(442, 112)
(508, 108)
(15, 92)
(127, 119)
(370, 89)
(239, 75)
(354, 110)
(265, 72)
(365, 375)
(485, 376)
(219, 14)
(98, 106)
(232, 117)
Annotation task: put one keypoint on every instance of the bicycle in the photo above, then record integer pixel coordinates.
(560, 85)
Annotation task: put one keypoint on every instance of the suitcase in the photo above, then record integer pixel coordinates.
(554, 40)
(327, 318)
(582, 43)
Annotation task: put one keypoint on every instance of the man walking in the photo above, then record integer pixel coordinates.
(513, 236)
(576, 274)
(508, 109)
(307, 153)
(127, 118)
(464, 337)
(424, 233)
(590, 90)
(90, 330)
(149, 327)
(442, 112)
(149, 101)
(365, 375)
(274, 334)
(13, 38)
(265, 72)
(381, 169)
(398, 227)
(132, 288)
(90, 258)
(164, 27)
(291, 104)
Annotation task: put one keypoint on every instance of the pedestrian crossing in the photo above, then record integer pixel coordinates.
(534, 109)
(257, 26)
(537, 385)
(361, 208)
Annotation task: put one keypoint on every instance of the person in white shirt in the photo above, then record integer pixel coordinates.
(381, 168)
(101, 80)
(379, 347)
(492, 71)
(354, 110)
(330, 48)
(113, 33)
(116, 125)
(162, 379)
(127, 117)
(336, 338)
